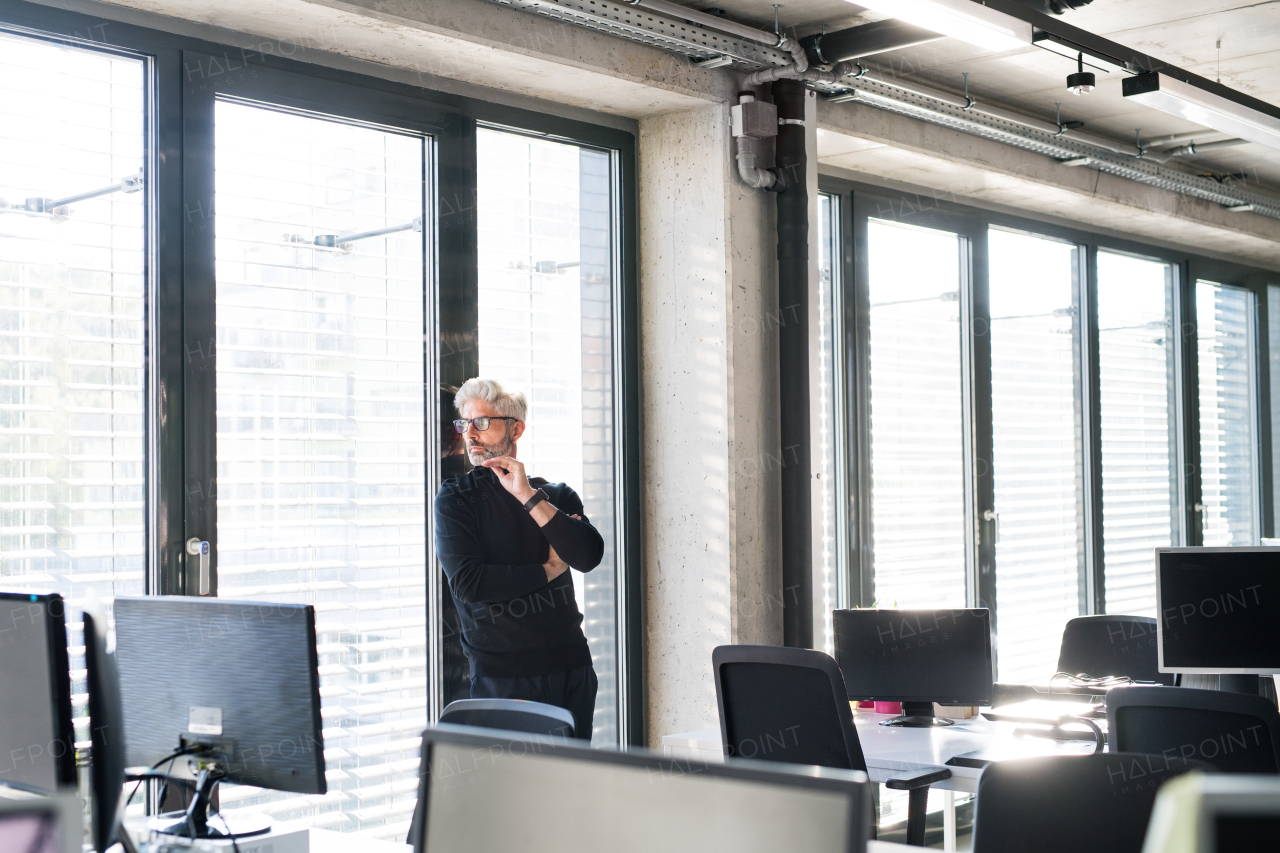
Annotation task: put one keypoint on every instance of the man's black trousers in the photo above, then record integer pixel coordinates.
(574, 690)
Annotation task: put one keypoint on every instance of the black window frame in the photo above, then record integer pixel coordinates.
(859, 202)
(178, 303)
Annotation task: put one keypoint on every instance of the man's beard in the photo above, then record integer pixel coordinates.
(479, 453)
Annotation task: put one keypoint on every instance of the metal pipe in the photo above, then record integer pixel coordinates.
(1196, 148)
(1125, 164)
(793, 365)
(131, 184)
(333, 241)
(970, 105)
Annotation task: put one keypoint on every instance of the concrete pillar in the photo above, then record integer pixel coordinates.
(708, 298)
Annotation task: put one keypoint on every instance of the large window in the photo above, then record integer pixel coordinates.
(546, 328)
(1229, 467)
(1037, 438)
(1038, 409)
(917, 425)
(831, 427)
(233, 307)
(1139, 425)
(73, 275)
(321, 460)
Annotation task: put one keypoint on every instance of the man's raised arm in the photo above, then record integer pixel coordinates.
(458, 547)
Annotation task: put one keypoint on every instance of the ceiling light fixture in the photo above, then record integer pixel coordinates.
(1082, 82)
(1204, 108)
(960, 19)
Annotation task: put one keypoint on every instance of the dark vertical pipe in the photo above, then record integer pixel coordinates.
(793, 357)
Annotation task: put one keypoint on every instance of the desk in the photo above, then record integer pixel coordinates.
(284, 837)
(891, 750)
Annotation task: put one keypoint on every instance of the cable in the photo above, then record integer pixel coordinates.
(1084, 680)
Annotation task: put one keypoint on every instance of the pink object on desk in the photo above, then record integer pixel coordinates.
(867, 705)
(888, 707)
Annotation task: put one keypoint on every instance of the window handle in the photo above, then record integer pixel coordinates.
(994, 517)
(200, 550)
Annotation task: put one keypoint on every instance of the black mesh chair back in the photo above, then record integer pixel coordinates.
(1067, 804)
(513, 715)
(1113, 645)
(1233, 732)
(785, 704)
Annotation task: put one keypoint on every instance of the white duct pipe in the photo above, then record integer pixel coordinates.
(759, 179)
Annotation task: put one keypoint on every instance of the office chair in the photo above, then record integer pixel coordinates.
(513, 715)
(785, 704)
(1068, 803)
(1233, 732)
(1113, 645)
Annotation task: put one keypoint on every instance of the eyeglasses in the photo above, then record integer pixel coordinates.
(481, 424)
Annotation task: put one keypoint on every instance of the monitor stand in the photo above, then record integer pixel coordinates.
(195, 822)
(1239, 684)
(918, 715)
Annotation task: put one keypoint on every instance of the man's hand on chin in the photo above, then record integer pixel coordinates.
(511, 475)
(554, 566)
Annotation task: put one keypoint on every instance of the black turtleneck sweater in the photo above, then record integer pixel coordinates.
(514, 623)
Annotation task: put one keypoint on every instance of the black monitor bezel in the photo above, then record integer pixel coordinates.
(804, 776)
(1160, 626)
(973, 700)
(60, 699)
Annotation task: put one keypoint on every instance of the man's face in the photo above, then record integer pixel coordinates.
(498, 440)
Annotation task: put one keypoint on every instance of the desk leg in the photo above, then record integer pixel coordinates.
(948, 821)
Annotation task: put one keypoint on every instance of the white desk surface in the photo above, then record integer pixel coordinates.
(890, 750)
(285, 837)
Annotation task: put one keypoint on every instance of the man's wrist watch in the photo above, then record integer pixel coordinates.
(538, 497)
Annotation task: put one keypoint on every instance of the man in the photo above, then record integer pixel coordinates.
(506, 543)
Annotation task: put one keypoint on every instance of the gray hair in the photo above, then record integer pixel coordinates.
(511, 404)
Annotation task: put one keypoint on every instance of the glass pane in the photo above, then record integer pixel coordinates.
(830, 425)
(71, 302)
(1039, 473)
(917, 422)
(72, 277)
(1228, 418)
(1139, 426)
(321, 466)
(1273, 350)
(546, 328)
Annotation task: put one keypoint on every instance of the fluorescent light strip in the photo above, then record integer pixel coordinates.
(1204, 108)
(960, 19)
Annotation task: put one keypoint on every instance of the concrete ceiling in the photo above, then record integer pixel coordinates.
(1184, 33)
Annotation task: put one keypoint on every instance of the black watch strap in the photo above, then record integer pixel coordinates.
(538, 497)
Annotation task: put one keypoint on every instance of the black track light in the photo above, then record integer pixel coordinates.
(1082, 82)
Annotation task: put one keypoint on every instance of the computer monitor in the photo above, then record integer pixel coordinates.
(37, 741)
(106, 730)
(1218, 611)
(231, 689)
(916, 657)
(1215, 813)
(50, 824)
(480, 793)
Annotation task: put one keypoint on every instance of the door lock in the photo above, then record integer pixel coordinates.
(200, 550)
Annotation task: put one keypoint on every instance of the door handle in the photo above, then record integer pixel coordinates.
(200, 550)
(994, 517)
